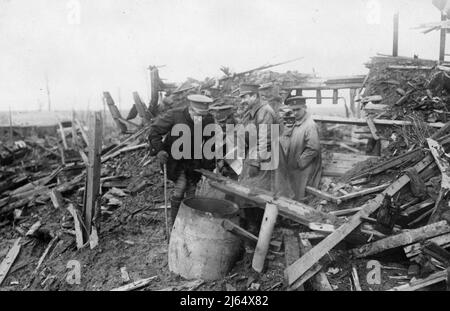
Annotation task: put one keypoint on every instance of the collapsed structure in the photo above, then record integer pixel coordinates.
(63, 194)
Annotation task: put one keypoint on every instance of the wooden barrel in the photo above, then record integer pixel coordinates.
(199, 247)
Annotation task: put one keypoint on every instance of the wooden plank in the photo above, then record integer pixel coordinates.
(56, 198)
(135, 285)
(404, 238)
(362, 122)
(441, 204)
(63, 136)
(373, 129)
(322, 195)
(421, 283)
(356, 279)
(319, 281)
(416, 248)
(91, 205)
(416, 208)
(265, 235)
(301, 266)
(437, 252)
(323, 86)
(9, 260)
(363, 192)
(114, 112)
(78, 226)
(293, 210)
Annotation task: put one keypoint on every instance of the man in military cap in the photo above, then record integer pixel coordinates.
(181, 172)
(257, 172)
(301, 148)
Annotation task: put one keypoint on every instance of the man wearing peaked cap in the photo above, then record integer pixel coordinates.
(301, 148)
(199, 103)
(181, 170)
(260, 166)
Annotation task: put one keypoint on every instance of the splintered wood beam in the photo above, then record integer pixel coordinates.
(298, 269)
(83, 132)
(8, 261)
(402, 239)
(416, 248)
(421, 283)
(363, 122)
(63, 136)
(91, 205)
(291, 209)
(264, 237)
(141, 108)
(114, 112)
(441, 205)
(319, 281)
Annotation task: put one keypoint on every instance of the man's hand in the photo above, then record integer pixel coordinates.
(253, 171)
(162, 157)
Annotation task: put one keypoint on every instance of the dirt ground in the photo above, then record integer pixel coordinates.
(137, 242)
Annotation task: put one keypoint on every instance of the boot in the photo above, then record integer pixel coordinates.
(174, 206)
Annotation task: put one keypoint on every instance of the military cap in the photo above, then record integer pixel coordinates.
(247, 88)
(295, 101)
(200, 103)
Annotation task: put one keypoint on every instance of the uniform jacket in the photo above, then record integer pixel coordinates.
(261, 113)
(163, 127)
(300, 148)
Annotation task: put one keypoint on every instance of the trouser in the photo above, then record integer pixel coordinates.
(183, 187)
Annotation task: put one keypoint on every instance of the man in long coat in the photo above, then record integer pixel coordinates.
(181, 170)
(301, 149)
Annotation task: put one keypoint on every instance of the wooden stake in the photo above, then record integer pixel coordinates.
(395, 44)
(93, 173)
(265, 235)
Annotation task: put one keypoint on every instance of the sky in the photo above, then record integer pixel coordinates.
(85, 47)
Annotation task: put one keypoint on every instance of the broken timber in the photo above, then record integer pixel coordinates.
(442, 201)
(91, 203)
(306, 262)
(401, 239)
(114, 112)
(319, 281)
(363, 122)
(244, 234)
(294, 210)
(141, 108)
(135, 285)
(8, 261)
(417, 284)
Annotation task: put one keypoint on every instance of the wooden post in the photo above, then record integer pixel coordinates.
(335, 96)
(10, 125)
(352, 94)
(442, 40)
(319, 97)
(93, 173)
(265, 234)
(395, 45)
